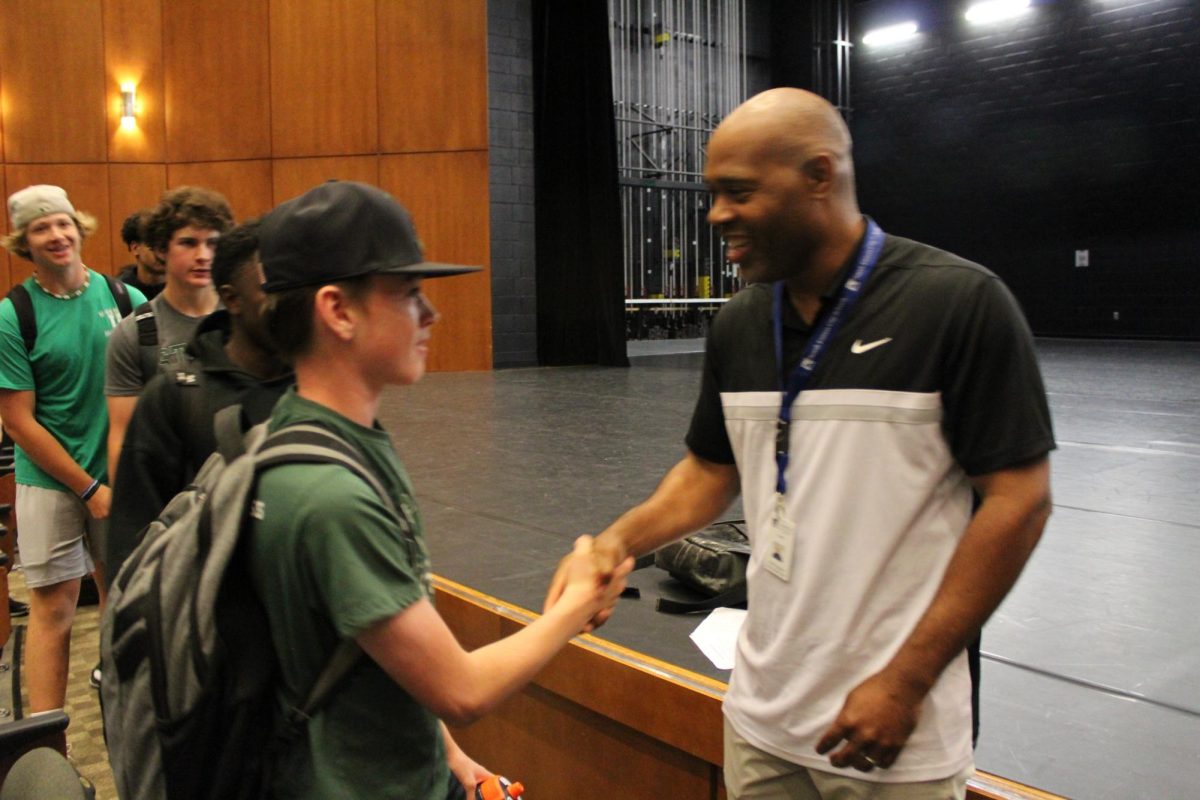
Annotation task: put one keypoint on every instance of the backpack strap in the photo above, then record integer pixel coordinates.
(147, 328)
(227, 429)
(26, 320)
(337, 667)
(316, 444)
(147, 325)
(120, 293)
(310, 443)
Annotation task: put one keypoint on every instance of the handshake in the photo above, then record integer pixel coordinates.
(591, 578)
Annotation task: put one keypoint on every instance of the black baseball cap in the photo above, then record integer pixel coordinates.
(340, 230)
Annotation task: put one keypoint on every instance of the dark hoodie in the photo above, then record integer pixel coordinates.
(171, 433)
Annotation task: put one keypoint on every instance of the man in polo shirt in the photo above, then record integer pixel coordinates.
(52, 404)
(911, 380)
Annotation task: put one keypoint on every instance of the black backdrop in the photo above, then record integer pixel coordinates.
(580, 280)
(1076, 127)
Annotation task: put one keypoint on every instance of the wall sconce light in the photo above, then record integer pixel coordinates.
(128, 106)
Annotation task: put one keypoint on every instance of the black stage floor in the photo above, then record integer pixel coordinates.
(1091, 683)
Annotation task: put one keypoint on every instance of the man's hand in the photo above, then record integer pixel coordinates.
(606, 558)
(875, 722)
(597, 563)
(693, 493)
(881, 712)
(99, 503)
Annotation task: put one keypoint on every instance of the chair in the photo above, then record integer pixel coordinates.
(45, 774)
(33, 764)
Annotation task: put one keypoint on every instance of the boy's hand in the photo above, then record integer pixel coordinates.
(99, 503)
(594, 567)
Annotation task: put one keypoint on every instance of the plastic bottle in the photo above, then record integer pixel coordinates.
(498, 788)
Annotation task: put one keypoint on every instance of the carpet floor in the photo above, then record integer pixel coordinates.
(85, 736)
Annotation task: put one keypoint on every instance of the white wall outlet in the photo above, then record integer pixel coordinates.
(1081, 258)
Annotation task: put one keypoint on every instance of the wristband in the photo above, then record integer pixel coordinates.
(87, 493)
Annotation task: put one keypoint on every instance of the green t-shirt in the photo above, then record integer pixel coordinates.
(65, 370)
(329, 561)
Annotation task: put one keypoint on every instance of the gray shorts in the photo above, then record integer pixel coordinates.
(56, 536)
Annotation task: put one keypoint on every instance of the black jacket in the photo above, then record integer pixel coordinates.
(171, 433)
(129, 276)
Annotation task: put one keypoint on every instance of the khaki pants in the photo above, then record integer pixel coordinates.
(751, 774)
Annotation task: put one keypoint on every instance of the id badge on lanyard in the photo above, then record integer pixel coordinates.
(781, 539)
(781, 536)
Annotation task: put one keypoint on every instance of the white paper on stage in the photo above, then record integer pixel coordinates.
(717, 635)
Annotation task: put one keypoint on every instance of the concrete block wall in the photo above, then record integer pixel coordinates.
(1076, 127)
(510, 135)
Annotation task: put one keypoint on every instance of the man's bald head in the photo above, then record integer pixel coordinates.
(790, 126)
(782, 185)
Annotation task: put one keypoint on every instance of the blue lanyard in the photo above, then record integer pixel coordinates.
(868, 255)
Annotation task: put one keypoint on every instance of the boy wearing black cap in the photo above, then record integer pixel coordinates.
(52, 404)
(330, 560)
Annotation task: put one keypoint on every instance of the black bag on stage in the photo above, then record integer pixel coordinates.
(712, 561)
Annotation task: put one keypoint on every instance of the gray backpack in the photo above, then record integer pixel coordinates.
(189, 668)
(712, 561)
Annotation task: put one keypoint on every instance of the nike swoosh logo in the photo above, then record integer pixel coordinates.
(858, 347)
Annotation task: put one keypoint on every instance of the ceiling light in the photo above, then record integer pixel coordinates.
(890, 34)
(995, 10)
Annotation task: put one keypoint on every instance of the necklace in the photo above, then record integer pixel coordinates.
(71, 295)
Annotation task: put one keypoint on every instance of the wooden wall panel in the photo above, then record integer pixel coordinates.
(559, 749)
(133, 54)
(260, 100)
(52, 55)
(586, 711)
(295, 176)
(3, 103)
(130, 187)
(216, 57)
(323, 76)
(6, 259)
(245, 184)
(432, 75)
(87, 187)
(447, 195)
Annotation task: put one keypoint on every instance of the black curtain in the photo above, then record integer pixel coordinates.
(792, 44)
(580, 281)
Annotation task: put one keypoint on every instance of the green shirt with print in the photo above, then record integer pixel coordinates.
(329, 560)
(65, 370)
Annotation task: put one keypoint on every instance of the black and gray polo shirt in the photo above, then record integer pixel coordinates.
(932, 378)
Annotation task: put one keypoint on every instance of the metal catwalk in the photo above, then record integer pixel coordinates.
(1091, 684)
(679, 66)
